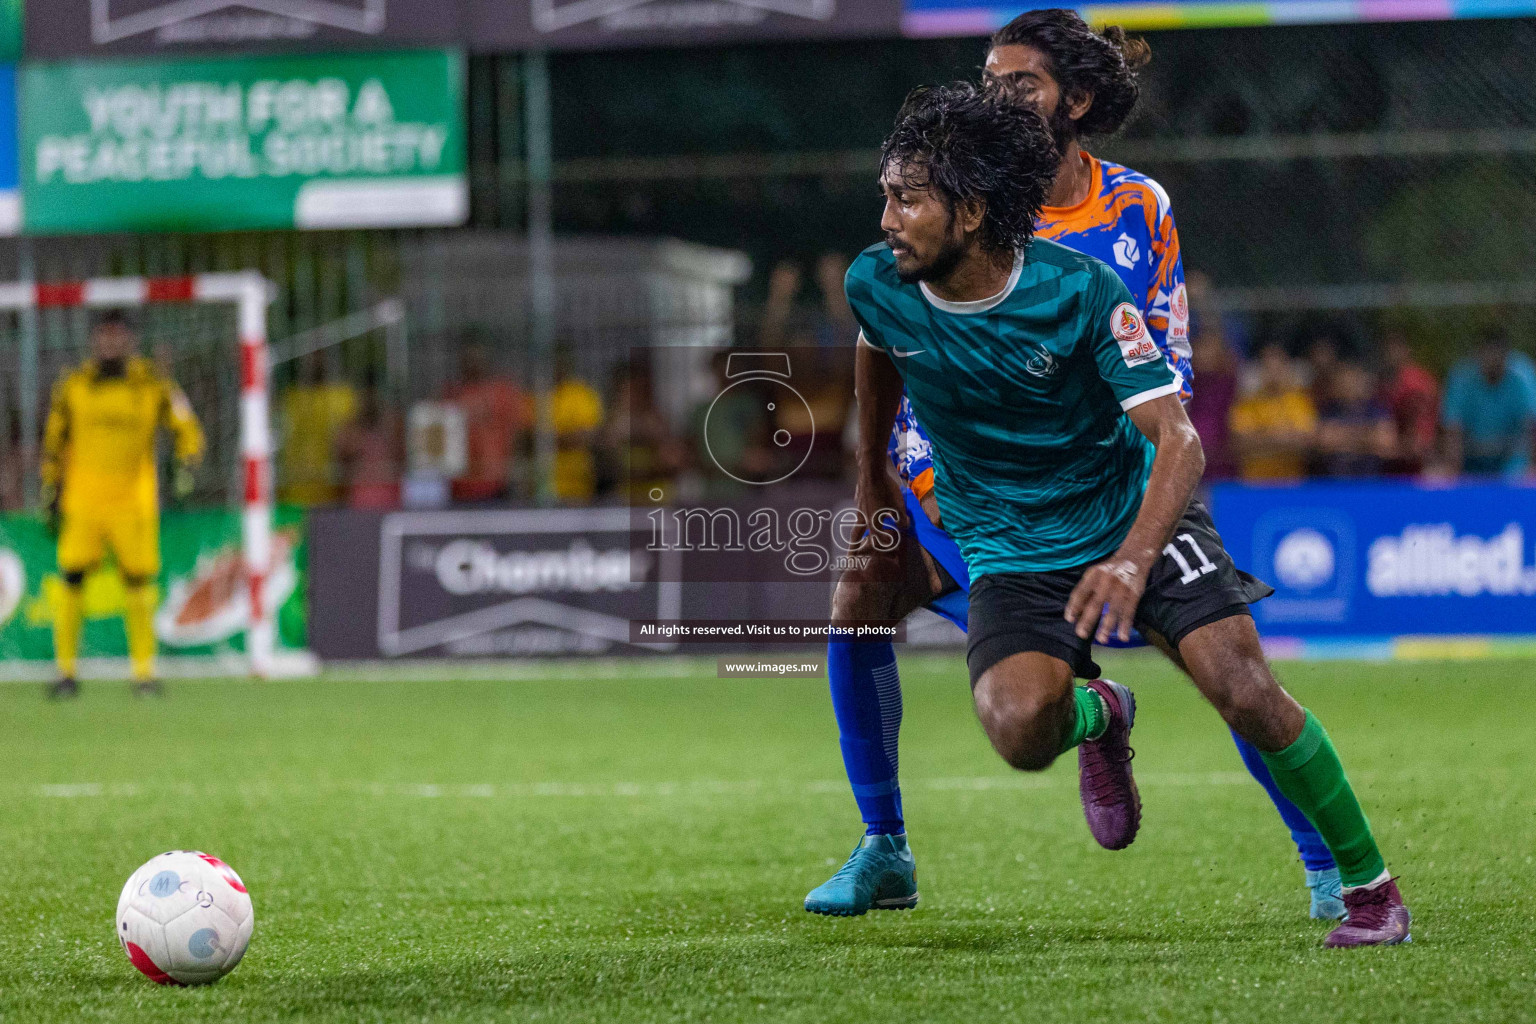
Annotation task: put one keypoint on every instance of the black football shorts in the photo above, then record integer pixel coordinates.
(1194, 584)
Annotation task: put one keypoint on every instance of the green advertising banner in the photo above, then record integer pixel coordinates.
(341, 141)
(204, 604)
(10, 30)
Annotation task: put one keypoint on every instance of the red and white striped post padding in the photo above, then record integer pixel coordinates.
(248, 291)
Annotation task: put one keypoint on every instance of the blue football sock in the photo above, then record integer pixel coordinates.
(866, 696)
(1314, 852)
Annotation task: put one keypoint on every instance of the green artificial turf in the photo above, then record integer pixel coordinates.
(634, 845)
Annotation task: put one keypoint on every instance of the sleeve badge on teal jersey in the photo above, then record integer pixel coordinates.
(1136, 345)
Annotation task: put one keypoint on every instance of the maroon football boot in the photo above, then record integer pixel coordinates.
(1110, 800)
(1377, 917)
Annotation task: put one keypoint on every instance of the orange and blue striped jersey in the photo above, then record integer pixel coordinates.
(1125, 221)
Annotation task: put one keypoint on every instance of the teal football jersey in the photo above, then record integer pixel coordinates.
(1024, 396)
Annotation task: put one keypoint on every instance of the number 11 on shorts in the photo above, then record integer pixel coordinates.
(1191, 573)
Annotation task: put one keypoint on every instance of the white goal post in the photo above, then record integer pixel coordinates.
(249, 293)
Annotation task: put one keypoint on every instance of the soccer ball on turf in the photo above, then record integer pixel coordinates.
(184, 918)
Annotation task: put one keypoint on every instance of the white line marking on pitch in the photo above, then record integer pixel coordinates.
(611, 790)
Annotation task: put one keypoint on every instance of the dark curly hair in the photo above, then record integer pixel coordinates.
(1084, 62)
(970, 144)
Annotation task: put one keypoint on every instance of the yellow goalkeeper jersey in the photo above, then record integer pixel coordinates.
(100, 442)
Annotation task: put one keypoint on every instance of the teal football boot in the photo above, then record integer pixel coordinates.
(881, 875)
(1327, 894)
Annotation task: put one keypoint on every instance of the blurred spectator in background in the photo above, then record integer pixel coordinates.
(1206, 313)
(313, 411)
(575, 414)
(497, 414)
(823, 377)
(1412, 397)
(1355, 433)
(836, 328)
(13, 466)
(821, 340)
(1323, 360)
(371, 452)
(730, 434)
(787, 323)
(1490, 411)
(775, 323)
(1215, 392)
(639, 454)
(164, 357)
(1273, 429)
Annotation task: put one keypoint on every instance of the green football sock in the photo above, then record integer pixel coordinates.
(1308, 772)
(1090, 718)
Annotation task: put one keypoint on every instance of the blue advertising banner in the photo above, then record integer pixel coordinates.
(10, 163)
(1378, 560)
(983, 17)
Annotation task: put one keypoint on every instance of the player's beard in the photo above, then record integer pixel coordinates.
(940, 266)
(1063, 128)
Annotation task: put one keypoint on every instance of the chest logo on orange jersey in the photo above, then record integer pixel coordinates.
(1136, 345)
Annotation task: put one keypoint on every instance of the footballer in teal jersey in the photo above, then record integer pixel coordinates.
(1023, 396)
(1035, 380)
(1084, 82)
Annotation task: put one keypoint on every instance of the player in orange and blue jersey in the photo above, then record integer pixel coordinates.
(1126, 221)
(1084, 84)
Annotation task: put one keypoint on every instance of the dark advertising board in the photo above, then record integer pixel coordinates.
(89, 28)
(92, 28)
(601, 24)
(479, 584)
(528, 583)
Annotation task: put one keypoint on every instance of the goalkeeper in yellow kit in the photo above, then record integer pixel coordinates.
(101, 488)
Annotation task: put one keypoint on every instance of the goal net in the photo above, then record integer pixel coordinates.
(207, 332)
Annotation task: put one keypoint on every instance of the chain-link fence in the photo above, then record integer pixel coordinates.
(365, 329)
(1375, 173)
(611, 295)
(1378, 174)
(1374, 176)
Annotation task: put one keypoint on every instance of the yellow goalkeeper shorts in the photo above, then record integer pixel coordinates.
(131, 534)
